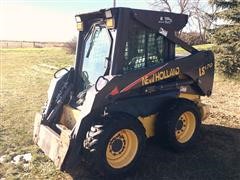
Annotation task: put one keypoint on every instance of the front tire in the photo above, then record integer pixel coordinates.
(115, 146)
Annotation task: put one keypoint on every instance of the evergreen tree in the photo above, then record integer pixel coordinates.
(226, 36)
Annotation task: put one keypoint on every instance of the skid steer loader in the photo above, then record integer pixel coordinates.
(127, 85)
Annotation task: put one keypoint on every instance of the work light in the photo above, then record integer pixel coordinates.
(78, 19)
(110, 23)
(108, 13)
(79, 23)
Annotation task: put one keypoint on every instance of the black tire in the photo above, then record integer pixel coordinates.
(100, 138)
(169, 125)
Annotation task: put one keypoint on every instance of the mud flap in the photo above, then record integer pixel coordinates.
(55, 146)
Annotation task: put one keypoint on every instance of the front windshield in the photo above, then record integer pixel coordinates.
(96, 53)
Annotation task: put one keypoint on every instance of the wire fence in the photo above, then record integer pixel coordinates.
(30, 44)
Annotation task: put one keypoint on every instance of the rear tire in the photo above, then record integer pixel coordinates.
(115, 146)
(179, 127)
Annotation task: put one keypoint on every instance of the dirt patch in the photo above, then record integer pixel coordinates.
(224, 103)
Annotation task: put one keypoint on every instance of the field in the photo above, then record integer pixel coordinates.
(25, 76)
(30, 44)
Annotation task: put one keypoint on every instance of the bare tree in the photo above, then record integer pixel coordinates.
(179, 6)
(71, 45)
(193, 8)
(164, 4)
(204, 18)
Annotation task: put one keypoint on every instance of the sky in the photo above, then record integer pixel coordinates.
(53, 20)
(50, 20)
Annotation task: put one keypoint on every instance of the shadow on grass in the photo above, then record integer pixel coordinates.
(217, 156)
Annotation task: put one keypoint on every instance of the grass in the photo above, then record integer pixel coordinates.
(24, 81)
(181, 51)
(25, 76)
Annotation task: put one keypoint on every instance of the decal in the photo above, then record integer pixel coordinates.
(183, 89)
(130, 86)
(163, 32)
(114, 91)
(160, 75)
(202, 70)
(164, 20)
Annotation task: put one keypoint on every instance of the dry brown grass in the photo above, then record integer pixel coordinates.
(25, 76)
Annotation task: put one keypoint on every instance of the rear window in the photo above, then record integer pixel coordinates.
(144, 48)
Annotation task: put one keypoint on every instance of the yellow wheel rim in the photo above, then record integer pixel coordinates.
(122, 148)
(185, 127)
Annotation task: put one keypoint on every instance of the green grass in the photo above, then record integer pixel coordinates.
(181, 51)
(25, 76)
(204, 46)
(24, 82)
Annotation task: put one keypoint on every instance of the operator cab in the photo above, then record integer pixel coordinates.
(119, 41)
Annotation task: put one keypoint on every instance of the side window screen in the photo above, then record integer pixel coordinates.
(144, 48)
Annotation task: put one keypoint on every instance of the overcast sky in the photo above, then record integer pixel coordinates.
(49, 20)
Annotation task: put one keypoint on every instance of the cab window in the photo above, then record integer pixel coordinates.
(144, 48)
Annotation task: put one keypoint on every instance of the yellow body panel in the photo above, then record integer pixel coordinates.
(192, 97)
(149, 124)
(149, 121)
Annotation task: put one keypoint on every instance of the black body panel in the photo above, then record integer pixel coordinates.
(131, 84)
(144, 105)
(198, 67)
